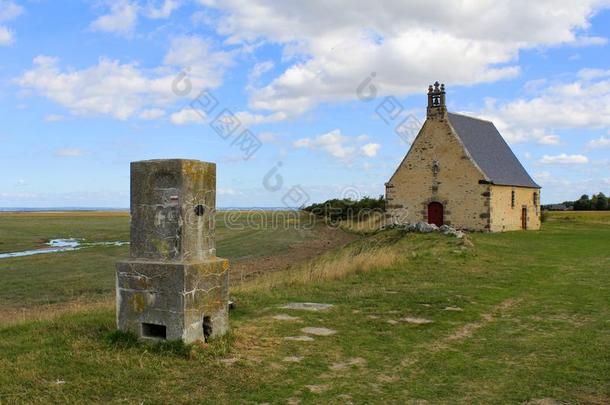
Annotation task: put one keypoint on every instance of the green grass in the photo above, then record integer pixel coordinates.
(534, 324)
(88, 274)
(23, 231)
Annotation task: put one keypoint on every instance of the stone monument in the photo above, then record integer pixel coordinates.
(173, 286)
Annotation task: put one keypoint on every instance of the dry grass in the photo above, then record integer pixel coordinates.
(331, 266)
(581, 216)
(373, 222)
(13, 316)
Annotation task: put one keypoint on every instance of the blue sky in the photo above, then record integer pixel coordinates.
(88, 86)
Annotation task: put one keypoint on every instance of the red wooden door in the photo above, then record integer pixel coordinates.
(523, 218)
(435, 213)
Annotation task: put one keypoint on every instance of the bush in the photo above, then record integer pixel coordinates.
(597, 202)
(602, 202)
(342, 209)
(582, 204)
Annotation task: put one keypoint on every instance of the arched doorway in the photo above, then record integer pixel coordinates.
(435, 213)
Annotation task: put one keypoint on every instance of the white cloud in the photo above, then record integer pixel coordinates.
(258, 70)
(549, 140)
(69, 152)
(588, 41)
(108, 88)
(333, 46)
(514, 130)
(339, 146)
(558, 188)
(187, 116)
(195, 55)
(370, 149)
(268, 137)
(122, 90)
(54, 118)
(564, 159)
(9, 10)
(163, 10)
(121, 20)
(247, 118)
(122, 17)
(590, 74)
(152, 114)
(601, 142)
(333, 142)
(6, 36)
(583, 103)
(568, 105)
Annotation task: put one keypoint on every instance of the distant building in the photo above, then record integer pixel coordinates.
(460, 172)
(558, 207)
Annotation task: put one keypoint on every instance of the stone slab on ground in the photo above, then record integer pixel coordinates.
(286, 317)
(318, 331)
(416, 321)
(353, 361)
(307, 306)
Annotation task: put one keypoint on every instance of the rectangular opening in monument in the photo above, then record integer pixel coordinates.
(151, 330)
(207, 328)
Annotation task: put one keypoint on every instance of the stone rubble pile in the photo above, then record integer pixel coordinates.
(424, 227)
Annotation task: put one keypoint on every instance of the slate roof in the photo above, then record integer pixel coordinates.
(490, 151)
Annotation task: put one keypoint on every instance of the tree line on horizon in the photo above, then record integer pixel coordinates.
(346, 208)
(597, 202)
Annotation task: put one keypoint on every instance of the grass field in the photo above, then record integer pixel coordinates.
(516, 317)
(87, 274)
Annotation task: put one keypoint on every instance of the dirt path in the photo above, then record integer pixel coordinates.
(327, 239)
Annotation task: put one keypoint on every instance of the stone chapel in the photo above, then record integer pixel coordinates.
(460, 172)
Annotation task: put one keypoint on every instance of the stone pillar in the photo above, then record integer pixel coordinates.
(173, 286)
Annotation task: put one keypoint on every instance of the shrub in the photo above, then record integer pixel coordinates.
(583, 203)
(602, 202)
(342, 209)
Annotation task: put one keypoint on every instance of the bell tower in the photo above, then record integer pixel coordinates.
(436, 101)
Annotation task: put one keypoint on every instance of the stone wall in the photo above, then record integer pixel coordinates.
(505, 216)
(454, 181)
